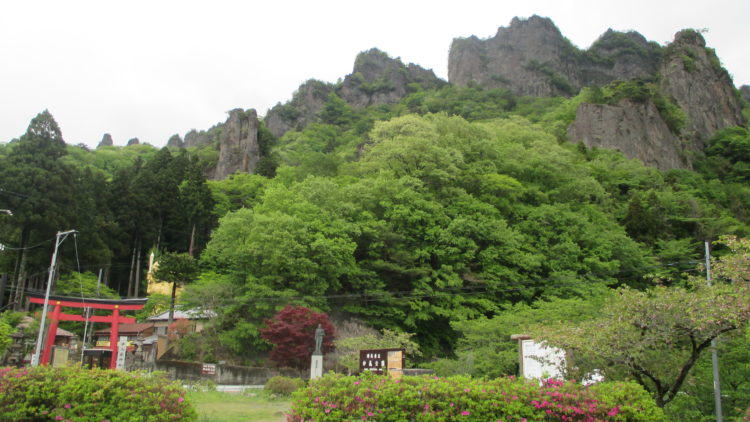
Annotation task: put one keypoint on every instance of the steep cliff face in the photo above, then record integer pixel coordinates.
(380, 79)
(531, 57)
(745, 92)
(301, 110)
(620, 55)
(634, 128)
(106, 141)
(692, 75)
(238, 144)
(175, 141)
(692, 79)
(375, 79)
(196, 139)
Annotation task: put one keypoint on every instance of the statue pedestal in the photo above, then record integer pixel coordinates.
(316, 366)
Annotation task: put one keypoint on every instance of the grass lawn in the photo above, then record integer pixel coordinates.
(216, 406)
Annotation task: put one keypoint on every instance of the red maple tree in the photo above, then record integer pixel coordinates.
(292, 333)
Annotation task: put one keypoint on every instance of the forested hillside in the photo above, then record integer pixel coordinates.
(457, 213)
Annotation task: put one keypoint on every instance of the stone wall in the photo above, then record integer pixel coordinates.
(225, 374)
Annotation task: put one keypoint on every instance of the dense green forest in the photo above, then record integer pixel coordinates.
(459, 214)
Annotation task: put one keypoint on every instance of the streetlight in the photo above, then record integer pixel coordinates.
(35, 357)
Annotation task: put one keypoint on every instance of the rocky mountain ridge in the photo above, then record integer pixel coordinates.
(693, 84)
(376, 78)
(528, 58)
(531, 57)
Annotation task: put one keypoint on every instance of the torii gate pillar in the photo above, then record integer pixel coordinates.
(115, 305)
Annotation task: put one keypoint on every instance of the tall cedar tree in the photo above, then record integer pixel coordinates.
(178, 269)
(292, 333)
(196, 204)
(39, 188)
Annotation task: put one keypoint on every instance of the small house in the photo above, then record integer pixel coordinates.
(197, 319)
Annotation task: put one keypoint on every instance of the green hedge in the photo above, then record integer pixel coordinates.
(73, 394)
(377, 398)
(283, 386)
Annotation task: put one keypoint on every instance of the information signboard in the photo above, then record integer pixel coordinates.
(381, 361)
(208, 369)
(122, 345)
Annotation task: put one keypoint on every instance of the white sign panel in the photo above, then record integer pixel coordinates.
(540, 361)
(122, 348)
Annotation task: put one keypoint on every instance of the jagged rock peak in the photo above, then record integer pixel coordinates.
(692, 75)
(532, 57)
(133, 141)
(175, 141)
(301, 110)
(745, 92)
(238, 145)
(195, 139)
(379, 79)
(692, 79)
(689, 37)
(106, 141)
(376, 78)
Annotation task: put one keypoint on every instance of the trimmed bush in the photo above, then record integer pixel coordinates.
(82, 395)
(283, 386)
(372, 397)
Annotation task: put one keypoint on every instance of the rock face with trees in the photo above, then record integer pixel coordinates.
(376, 79)
(238, 145)
(447, 220)
(531, 57)
(692, 75)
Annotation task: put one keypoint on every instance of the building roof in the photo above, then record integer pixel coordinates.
(186, 314)
(126, 329)
(63, 333)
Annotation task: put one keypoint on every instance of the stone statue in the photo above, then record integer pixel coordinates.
(319, 333)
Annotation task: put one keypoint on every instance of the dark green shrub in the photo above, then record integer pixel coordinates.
(67, 394)
(284, 386)
(372, 397)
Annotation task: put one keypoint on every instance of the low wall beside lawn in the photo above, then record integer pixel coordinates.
(224, 374)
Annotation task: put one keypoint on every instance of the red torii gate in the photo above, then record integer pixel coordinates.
(116, 305)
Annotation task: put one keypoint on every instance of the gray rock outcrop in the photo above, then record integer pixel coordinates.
(635, 129)
(106, 141)
(301, 110)
(133, 141)
(379, 79)
(175, 141)
(745, 93)
(375, 79)
(692, 75)
(238, 144)
(531, 57)
(692, 78)
(196, 139)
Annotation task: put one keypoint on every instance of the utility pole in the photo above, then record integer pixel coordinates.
(86, 332)
(714, 356)
(3, 285)
(38, 351)
(4, 277)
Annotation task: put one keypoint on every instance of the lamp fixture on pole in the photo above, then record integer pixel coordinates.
(35, 357)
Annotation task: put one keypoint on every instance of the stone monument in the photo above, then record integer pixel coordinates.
(316, 365)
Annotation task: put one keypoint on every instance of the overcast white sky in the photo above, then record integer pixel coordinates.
(149, 69)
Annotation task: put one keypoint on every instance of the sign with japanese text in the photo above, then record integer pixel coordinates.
(208, 369)
(381, 361)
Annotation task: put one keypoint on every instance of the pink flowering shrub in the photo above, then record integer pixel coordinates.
(82, 395)
(377, 398)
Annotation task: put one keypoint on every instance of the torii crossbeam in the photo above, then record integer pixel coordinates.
(115, 305)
